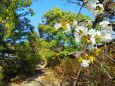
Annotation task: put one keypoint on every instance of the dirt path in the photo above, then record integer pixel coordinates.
(41, 78)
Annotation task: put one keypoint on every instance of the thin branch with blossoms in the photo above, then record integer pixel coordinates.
(90, 38)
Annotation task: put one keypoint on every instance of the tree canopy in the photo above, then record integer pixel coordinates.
(72, 44)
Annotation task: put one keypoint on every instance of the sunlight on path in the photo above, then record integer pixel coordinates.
(45, 79)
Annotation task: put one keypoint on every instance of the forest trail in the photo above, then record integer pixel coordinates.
(43, 77)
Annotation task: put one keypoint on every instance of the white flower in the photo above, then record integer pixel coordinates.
(113, 34)
(58, 25)
(105, 31)
(98, 33)
(89, 22)
(82, 29)
(68, 27)
(75, 22)
(92, 47)
(100, 8)
(78, 54)
(107, 37)
(104, 24)
(93, 40)
(77, 37)
(100, 5)
(91, 32)
(85, 63)
(86, 23)
(91, 4)
(106, 28)
(95, 7)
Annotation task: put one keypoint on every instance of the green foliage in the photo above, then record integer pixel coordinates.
(17, 54)
(27, 59)
(57, 15)
(1, 76)
(27, 3)
(57, 42)
(10, 68)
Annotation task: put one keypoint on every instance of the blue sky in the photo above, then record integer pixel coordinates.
(42, 6)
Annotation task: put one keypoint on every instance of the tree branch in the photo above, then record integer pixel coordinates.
(104, 69)
(78, 73)
(74, 2)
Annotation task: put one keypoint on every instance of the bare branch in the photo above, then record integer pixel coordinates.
(78, 73)
(110, 58)
(110, 77)
(74, 2)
